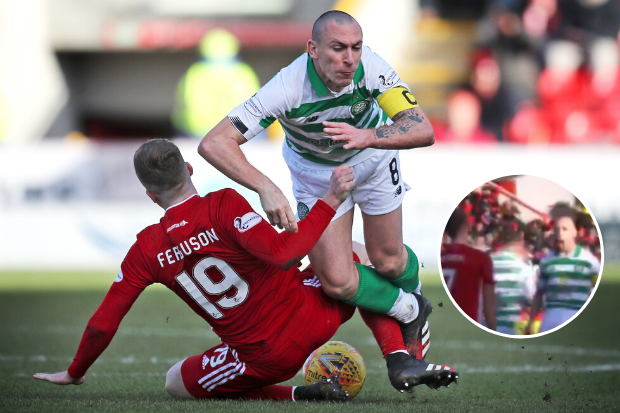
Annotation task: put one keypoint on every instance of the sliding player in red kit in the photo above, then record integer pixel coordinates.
(468, 272)
(235, 271)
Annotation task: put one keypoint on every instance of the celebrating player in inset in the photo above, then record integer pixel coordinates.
(337, 103)
(237, 273)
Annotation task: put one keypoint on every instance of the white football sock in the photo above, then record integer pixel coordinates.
(405, 308)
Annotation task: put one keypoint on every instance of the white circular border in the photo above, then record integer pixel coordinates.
(516, 336)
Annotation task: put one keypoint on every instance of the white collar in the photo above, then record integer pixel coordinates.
(172, 206)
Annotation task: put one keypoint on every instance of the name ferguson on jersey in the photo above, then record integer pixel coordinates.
(184, 249)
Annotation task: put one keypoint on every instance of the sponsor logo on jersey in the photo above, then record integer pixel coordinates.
(205, 361)
(326, 143)
(359, 107)
(302, 210)
(253, 106)
(180, 224)
(389, 80)
(312, 119)
(247, 221)
(119, 277)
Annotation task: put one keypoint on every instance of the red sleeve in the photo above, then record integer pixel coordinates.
(487, 269)
(102, 326)
(260, 239)
(99, 332)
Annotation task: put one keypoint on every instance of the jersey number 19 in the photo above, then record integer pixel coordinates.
(199, 277)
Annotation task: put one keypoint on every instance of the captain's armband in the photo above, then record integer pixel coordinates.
(396, 100)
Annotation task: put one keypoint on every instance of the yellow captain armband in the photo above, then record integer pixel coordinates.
(396, 100)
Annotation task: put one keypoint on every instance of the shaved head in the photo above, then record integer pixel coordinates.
(336, 16)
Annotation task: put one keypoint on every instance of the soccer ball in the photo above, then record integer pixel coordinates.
(336, 357)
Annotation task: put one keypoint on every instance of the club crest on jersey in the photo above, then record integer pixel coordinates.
(359, 107)
(247, 221)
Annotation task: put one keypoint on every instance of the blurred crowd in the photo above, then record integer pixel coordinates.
(543, 71)
(488, 212)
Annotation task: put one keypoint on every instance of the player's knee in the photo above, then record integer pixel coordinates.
(389, 261)
(341, 290)
(390, 266)
(174, 383)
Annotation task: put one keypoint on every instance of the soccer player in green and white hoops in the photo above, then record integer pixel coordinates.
(339, 103)
(566, 275)
(514, 278)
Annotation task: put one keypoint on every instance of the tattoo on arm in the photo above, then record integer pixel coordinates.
(403, 122)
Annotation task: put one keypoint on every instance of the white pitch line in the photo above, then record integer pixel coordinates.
(462, 368)
(590, 368)
(206, 332)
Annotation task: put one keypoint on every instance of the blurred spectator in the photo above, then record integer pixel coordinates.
(502, 32)
(486, 81)
(464, 111)
(212, 86)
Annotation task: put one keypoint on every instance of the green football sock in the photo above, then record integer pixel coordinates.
(408, 280)
(374, 292)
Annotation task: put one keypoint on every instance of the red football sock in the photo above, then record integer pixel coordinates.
(386, 331)
(274, 392)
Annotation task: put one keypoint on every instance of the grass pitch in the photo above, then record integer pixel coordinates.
(42, 317)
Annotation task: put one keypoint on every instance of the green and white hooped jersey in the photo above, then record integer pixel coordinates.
(514, 280)
(298, 98)
(567, 279)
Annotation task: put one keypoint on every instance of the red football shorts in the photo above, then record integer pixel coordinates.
(222, 372)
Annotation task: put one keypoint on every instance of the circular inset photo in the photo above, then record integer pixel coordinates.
(521, 256)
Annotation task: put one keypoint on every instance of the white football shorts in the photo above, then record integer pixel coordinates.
(379, 188)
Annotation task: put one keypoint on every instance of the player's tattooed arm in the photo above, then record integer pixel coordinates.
(411, 129)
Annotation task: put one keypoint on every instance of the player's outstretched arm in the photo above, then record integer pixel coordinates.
(97, 336)
(220, 147)
(284, 250)
(62, 378)
(411, 129)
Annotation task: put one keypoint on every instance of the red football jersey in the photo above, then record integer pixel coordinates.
(465, 269)
(221, 258)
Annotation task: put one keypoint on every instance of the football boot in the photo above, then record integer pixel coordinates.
(326, 389)
(406, 372)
